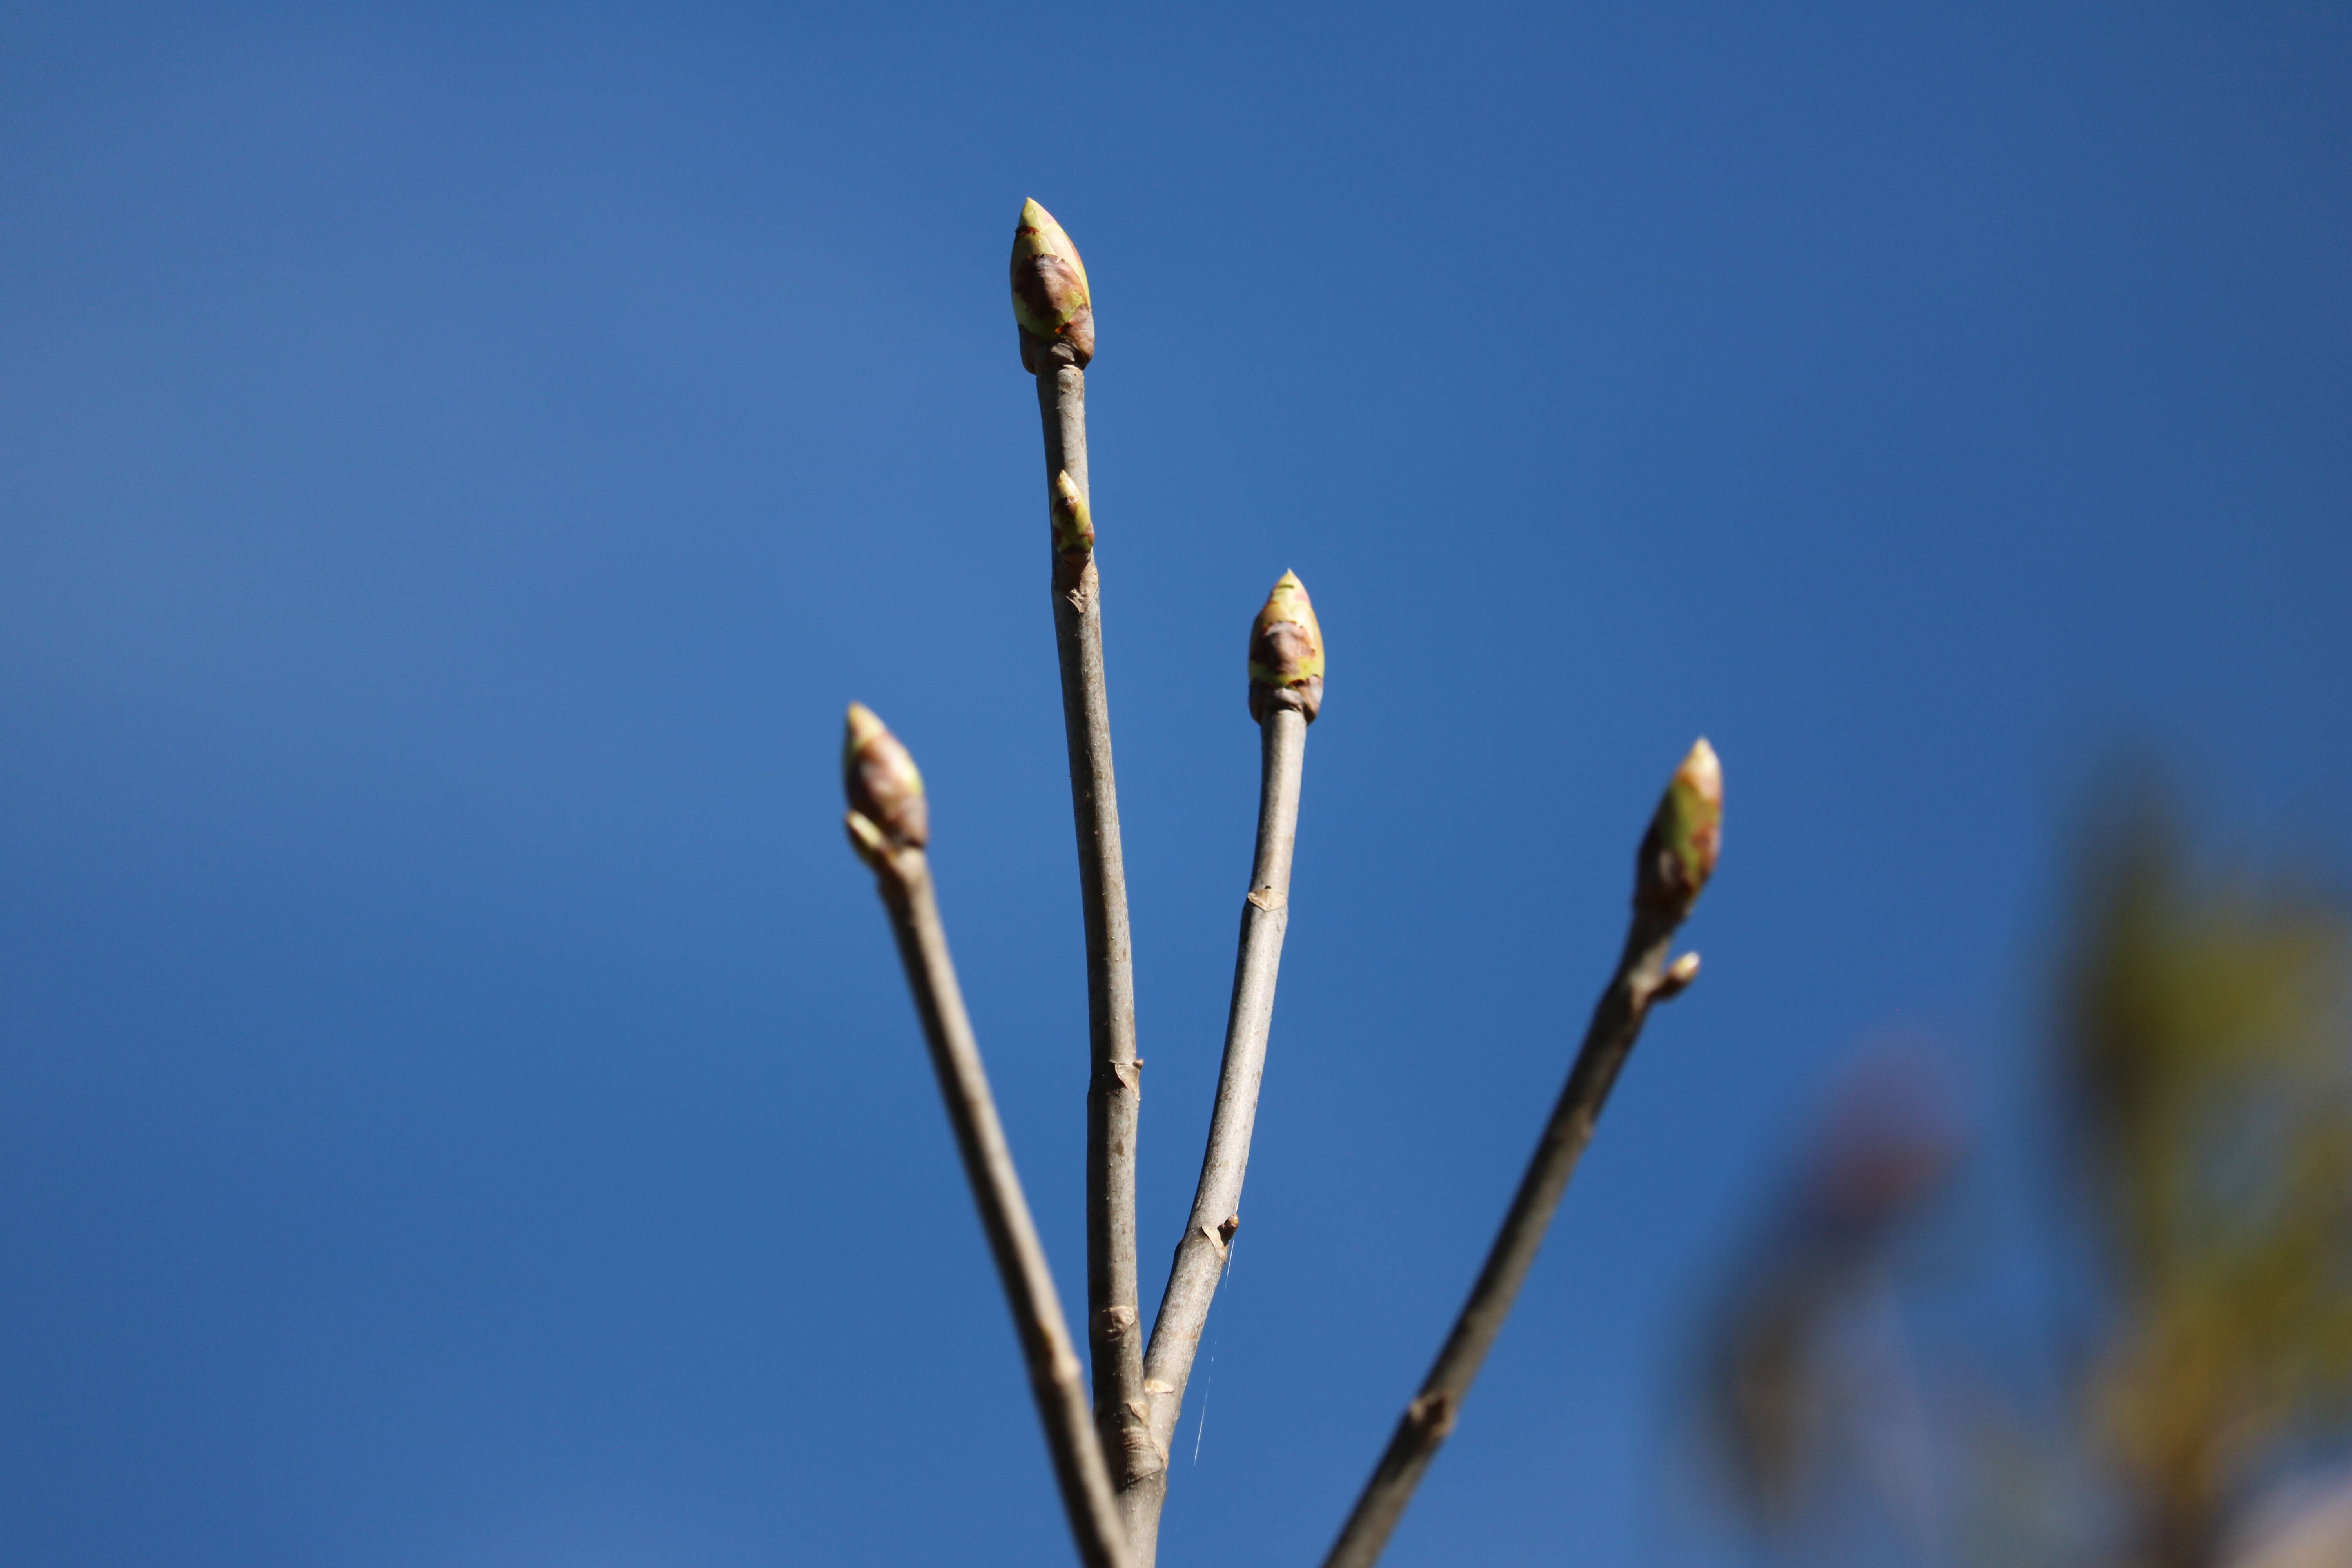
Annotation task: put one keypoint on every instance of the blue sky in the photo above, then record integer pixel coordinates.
(457, 1101)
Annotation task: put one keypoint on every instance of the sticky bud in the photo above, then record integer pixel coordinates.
(1051, 302)
(1678, 853)
(1286, 653)
(1074, 524)
(886, 793)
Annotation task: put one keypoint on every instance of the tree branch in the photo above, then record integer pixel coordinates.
(889, 836)
(1049, 295)
(1678, 857)
(1285, 693)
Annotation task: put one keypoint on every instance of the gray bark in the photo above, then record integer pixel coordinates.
(1216, 1202)
(1642, 979)
(1054, 1377)
(1115, 1085)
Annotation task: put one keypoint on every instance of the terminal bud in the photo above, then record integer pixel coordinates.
(1051, 302)
(1678, 853)
(887, 809)
(1286, 653)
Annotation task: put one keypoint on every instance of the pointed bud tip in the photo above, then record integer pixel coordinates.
(1051, 299)
(1286, 653)
(1703, 770)
(1287, 600)
(1686, 836)
(880, 780)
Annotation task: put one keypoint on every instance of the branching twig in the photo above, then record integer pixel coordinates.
(1110, 1459)
(888, 825)
(1285, 693)
(1677, 856)
(1052, 309)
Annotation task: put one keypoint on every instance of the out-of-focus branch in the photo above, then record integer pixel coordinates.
(1677, 856)
(889, 825)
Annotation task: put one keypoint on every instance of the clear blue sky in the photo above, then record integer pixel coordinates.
(457, 1105)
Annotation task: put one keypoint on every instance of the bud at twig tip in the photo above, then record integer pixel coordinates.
(1074, 521)
(1286, 653)
(1051, 301)
(1686, 836)
(886, 808)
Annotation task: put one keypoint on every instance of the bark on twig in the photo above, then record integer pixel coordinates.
(1616, 1024)
(903, 876)
(1678, 857)
(1114, 1089)
(1052, 312)
(1216, 1203)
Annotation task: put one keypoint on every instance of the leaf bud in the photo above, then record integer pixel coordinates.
(883, 787)
(1074, 521)
(1679, 852)
(1286, 653)
(1051, 301)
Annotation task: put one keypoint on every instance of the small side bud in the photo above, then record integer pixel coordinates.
(886, 793)
(1678, 978)
(1074, 524)
(866, 839)
(1286, 653)
(1678, 853)
(1051, 301)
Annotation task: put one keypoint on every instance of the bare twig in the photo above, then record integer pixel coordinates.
(1052, 307)
(1677, 856)
(887, 824)
(1285, 693)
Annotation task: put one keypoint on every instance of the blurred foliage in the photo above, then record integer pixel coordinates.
(2212, 1092)
(2207, 1069)
(1789, 1386)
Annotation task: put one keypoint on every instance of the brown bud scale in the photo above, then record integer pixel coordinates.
(1051, 304)
(881, 781)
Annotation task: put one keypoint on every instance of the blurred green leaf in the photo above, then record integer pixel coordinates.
(2214, 1093)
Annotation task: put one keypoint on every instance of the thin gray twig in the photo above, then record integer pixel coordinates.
(888, 824)
(1216, 1202)
(1056, 323)
(1677, 856)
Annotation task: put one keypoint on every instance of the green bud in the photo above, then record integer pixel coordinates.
(1286, 653)
(1679, 852)
(1050, 298)
(886, 793)
(1074, 523)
